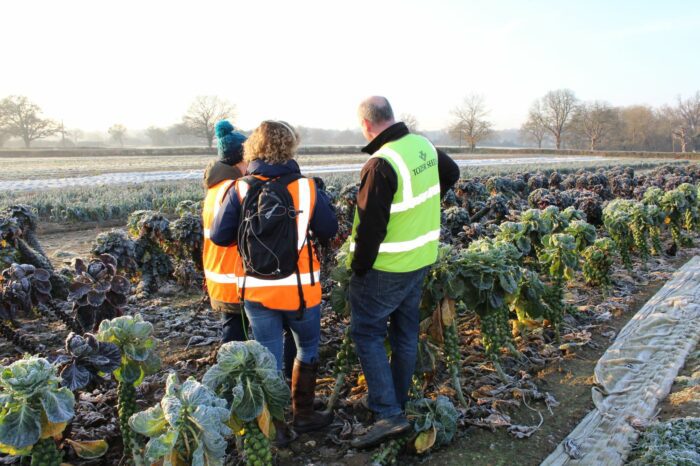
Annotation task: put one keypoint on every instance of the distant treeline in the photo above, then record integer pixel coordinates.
(556, 120)
(339, 150)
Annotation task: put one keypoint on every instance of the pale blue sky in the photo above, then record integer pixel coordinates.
(310, 62)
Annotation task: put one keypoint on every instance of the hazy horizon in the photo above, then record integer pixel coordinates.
(310, 63)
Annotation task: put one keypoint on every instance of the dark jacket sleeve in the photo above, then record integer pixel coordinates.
(224, 229)
(448, 170)
(324, 223)
(378, 183)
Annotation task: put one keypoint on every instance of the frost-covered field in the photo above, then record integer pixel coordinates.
(82, 202)
(123, 170)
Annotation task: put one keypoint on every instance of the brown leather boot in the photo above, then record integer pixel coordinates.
(303, 389)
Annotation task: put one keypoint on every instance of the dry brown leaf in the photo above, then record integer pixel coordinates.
(447, 311)
(265, 423)
(436, 326)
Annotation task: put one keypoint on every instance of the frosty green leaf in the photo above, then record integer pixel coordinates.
(133, 336)
(29, 390)
(246, 375)
(20, 427)
(189, 422)
(58, 405)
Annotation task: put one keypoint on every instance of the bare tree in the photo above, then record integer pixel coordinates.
(4, 136)
(594, 121)
(117, 132)
(470, 120)
(76, 134)
(533, 128)
(688, 112)
(410, 121)
(21, 117)
(158, 136)
(678, 124)
(638, 122)
(203, 114)
(61, 129)
(680, 134)
(554, 112)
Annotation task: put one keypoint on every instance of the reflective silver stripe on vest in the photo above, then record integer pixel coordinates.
(242, 188)
(403, 173)
(223, 278)
(207, 233)
(405, 246)
(252, 282)
(412, 202)
(304, 211)
(408, 200)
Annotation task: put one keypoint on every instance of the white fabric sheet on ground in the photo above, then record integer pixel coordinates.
(636, 373)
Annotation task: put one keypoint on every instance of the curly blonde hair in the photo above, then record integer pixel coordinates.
(273, 142)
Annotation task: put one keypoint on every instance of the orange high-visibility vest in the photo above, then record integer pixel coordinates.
(220, 262)
(283, 294)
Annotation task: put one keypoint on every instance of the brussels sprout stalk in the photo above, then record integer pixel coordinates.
(454, 359)
(256, 446)
(134, 339)
(388, 453)
(45, 453)
(345, 358)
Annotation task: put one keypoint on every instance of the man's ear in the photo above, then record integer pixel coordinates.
(366, 125)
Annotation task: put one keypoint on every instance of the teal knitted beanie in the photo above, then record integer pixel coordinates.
(230, 143)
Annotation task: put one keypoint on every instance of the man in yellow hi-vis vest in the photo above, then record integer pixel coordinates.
(395, 239)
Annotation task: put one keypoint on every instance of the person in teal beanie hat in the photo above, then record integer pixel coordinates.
(228, 167)
(229, 143)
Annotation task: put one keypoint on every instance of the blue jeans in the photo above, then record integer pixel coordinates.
(235, 329)
(268, 325)
(378, 298)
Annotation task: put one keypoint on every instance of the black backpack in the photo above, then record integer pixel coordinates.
(267, 232)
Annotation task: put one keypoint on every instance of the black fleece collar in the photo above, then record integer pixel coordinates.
(392, 133)
(259, 167)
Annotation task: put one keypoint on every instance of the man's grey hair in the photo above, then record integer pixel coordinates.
(376, 110)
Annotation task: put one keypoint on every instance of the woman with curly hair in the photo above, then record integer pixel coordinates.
(293, 300)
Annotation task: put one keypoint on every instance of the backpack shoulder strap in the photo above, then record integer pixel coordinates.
(289, 178)
(250, 183)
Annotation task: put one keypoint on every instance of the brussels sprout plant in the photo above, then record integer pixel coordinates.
(97, 292)
(117, 244)
(597, 261)
(35, 410)
(86, 360)
(151, 231)
(245, 374)
(188, 426)
(434, 425)
(134, 338)
(560, 260)
(617, 221)
(23, 287)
